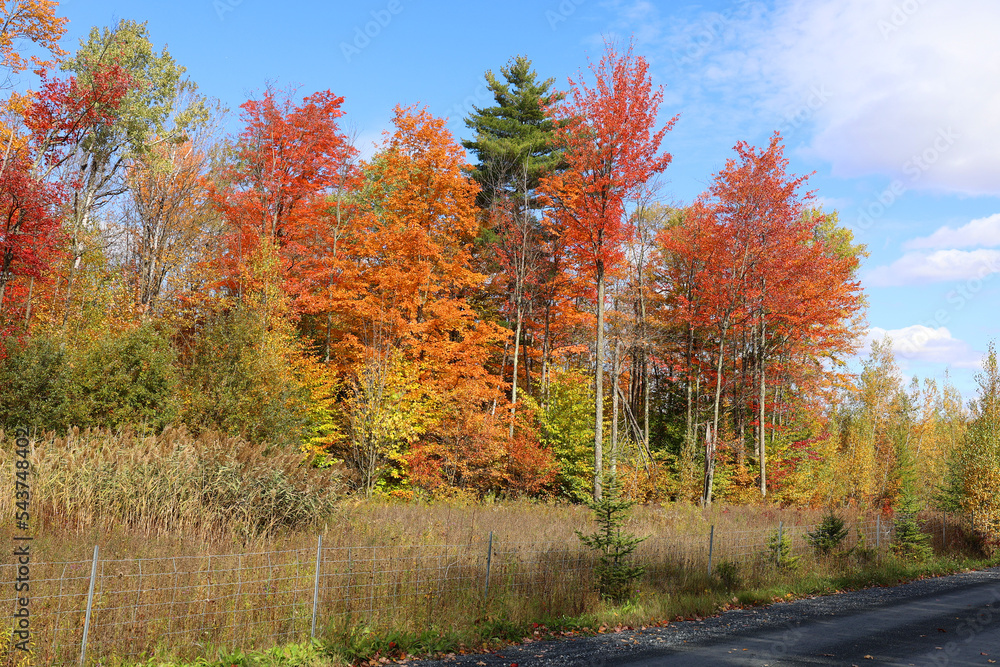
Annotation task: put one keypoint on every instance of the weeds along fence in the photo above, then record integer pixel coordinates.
(115, 610)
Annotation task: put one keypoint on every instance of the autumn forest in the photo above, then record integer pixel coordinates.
(516, 312)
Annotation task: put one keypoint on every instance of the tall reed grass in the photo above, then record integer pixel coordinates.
(173, 483)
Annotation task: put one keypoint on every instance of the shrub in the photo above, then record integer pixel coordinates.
(239, 378)
(116, 379)
(34, 381)
(127, 380)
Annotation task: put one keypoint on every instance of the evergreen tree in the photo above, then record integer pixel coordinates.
(513, 144)
(616, 575)
(829, 533)
(910, 541)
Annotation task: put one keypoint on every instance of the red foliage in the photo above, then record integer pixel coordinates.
(290, 158)
(611, 150)
(61, 115)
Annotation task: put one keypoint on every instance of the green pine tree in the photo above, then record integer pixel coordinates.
(513, 144)
(828, 534)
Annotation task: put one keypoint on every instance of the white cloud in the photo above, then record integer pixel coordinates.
(905, 80)
(939, 266)
(890, 87)
(919, 343)
(979, 232)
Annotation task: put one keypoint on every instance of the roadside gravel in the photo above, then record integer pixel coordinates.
(772, 632)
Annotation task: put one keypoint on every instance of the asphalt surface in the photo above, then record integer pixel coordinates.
(952, 620)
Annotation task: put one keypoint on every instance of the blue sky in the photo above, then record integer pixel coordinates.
(893, 103)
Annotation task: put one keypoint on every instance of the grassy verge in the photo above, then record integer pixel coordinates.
(701, 596)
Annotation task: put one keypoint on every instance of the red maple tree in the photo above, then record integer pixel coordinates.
(610, 140)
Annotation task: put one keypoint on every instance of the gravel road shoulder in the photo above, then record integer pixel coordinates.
(777, 621)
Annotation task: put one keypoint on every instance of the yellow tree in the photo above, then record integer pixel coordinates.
(980, 460)
(870, 455)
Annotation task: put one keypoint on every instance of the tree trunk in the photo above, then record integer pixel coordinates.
(513, 384)
(761, 439)
(690, 371)
(8, 258)
(710, 442)
(614, 409)
(545, 358)
(599, 387)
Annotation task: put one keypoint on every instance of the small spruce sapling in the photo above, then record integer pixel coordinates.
(828, 534)
(616, 575)
(779, 546)
(910, 542)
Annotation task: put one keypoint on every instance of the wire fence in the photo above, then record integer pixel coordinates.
(116, 609)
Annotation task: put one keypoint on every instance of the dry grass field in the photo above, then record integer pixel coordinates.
(208, 545)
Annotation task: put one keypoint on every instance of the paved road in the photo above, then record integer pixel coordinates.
(953, 620)
(960, 626)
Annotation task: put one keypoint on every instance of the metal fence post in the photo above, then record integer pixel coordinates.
(489, 563)
(878, 531)
(371, 591)
(90, 604)
(711, 544)
(319, 557)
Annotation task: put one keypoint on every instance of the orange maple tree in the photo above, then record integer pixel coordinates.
(32, 20)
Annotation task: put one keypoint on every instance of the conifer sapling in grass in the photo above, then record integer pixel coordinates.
(828, 534)
(779, 546)
(910, 541)
(616, 576)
